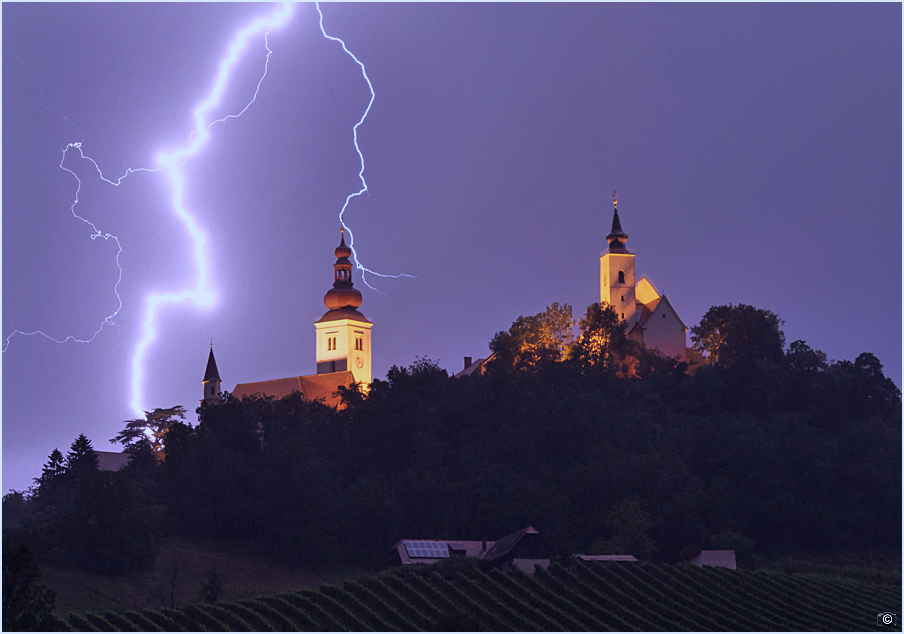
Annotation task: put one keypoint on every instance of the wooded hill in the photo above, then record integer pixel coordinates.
(761, 448)
(580, 597)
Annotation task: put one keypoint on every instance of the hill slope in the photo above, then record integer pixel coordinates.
(608, 597)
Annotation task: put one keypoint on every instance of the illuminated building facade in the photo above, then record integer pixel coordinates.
(343, 333)
(343, 348)
(648, 316)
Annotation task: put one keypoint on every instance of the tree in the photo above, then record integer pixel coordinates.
(81, 461)
(736, 336)
(51, 473)
(802, 358)
(602, 340)
(632, 525)
(15, 509)
(27, 604)
(153, 426)
(536, 339)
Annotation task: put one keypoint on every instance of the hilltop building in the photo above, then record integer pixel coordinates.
(343, 353)
(648, 316)
(211, 379)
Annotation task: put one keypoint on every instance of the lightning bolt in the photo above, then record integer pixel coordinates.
(201, 295)
(97, 233)
(363, 189)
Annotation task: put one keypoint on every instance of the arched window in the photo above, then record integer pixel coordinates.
(621, 277)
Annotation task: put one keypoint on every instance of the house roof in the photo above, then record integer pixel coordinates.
(719, 558)
(313, 387)
(469, 548)
(650, 309)
(475, 367)
(504, 545)
(606, 557)
(112, 460)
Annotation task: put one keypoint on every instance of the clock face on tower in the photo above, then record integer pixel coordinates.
(359, 361)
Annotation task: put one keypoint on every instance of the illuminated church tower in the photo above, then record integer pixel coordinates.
(649, 317)
(343, 333)
(617, 273)
(211, 379)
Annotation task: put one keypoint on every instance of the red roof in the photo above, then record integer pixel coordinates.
(313, 387)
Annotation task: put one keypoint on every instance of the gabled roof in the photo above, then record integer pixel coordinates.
(644, 291)
(313, 387)
(504, 545)
(656, 307)
(476, 367)
(668, 305)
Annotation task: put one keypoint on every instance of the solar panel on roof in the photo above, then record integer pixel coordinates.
(436, 550)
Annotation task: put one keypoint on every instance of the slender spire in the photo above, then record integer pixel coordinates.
(211, 374)
(616, 237)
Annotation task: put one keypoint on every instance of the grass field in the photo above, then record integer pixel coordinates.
(175, 580)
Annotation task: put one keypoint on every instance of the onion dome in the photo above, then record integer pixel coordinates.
(343, 294)
(616, 237)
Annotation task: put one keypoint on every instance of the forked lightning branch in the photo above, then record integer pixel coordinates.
(171, 163)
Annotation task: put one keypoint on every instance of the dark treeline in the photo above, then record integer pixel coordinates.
(758, 447)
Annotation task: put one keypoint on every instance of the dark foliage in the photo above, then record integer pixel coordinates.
(98, 521)
(27, 604)
(799, 457)
(773, 453)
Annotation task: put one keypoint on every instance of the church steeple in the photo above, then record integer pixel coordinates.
(211, 379)
(616, 237)
(343, 333)
(343, 294)
(617, 273)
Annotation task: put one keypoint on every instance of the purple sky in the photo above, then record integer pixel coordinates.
(755, 148)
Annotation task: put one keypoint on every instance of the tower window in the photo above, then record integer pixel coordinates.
(621, 277)
(359, 343)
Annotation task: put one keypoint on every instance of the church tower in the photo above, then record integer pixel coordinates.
(211, 379)
(617, 273)
(343, 333)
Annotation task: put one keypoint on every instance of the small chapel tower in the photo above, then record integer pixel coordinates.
(617, 273)
(343, 333)
(211, 379)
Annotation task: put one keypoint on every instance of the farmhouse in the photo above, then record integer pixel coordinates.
(524, 550)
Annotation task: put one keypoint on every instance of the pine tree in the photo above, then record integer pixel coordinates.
(82, 459)
(51, 473)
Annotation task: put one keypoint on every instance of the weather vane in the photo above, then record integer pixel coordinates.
(614, 200)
